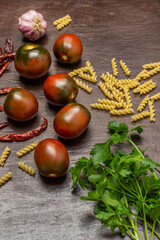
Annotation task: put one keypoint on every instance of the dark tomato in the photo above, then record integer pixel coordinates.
(71, 120)
(20, 105)
(51, 158)
(60, 89)
(32, 60)
(68, 48)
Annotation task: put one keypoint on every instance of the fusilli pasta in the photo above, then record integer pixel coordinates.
(111, 102)
(104, 77)
(155, 97)
(151, 72)
(143, 104)
(83, 85)
(113, 89)
(105, 90)
(114, 67)
(102, 106)
(60, 20)
(4, 155)
(112, 79)
(125, 81)
(5, 178)
(145, 87)
(128, 97)
(78, 71)
(26, 149)
(125, 68)
(64, 23)
(122, 111)
(26, 168)
(87, 77)
(151, 65)
(140, 116)
(152, 111)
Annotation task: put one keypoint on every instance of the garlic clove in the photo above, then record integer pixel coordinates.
(32, 25)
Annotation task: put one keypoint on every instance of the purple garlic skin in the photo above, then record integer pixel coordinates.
(32, 25)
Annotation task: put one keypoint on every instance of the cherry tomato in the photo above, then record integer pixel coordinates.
(60, 89)
(68, 48)
(51, 158)
(32, 60)
(20, 105)
(72, 120)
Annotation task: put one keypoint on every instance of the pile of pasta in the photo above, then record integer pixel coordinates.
(118, 99)
(21, 165)
(62, 22)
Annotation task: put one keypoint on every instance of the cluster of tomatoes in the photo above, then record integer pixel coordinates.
(33, 61)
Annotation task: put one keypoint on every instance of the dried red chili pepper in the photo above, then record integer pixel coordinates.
(1, 108)
(18, 137)
(3, 125)
(3, 61)
(6, 90)
(0, 50)
(8, 47)
(4, 67)
(7, 55)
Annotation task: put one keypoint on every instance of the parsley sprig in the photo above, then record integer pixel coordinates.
(124, 186)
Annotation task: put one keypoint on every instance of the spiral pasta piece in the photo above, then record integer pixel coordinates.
(114, 90)
(155, 97)
(91, 71)
(113, 103)
(5, 178)
(26, 149)
(112, 79)
(140, 116)
(125, 68)
(78, 71)
(83, 85)
(151, 65)
(122, 111)
(4, 155)
(64, 23)
(102, 106)
(26, 168)
(114, 67)
(143, 104)
(125, 81)
(151, 72)
(104, 77)
(152, 111)
(117, 97)
(140, 75)
(145, 87)
(90, 67)
(105, 90)
(149, 88)
(128, 97)
(132, 85)
(60, 20)
(87, 77)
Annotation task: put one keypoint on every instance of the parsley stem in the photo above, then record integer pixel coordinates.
(154, 223)
(130, 232)
(153, 230)
(129, 140)
(130, 217)
(145, 222)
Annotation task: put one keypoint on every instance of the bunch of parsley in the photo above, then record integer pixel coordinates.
(124, 186)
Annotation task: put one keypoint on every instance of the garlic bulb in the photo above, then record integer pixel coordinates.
(32, 25)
